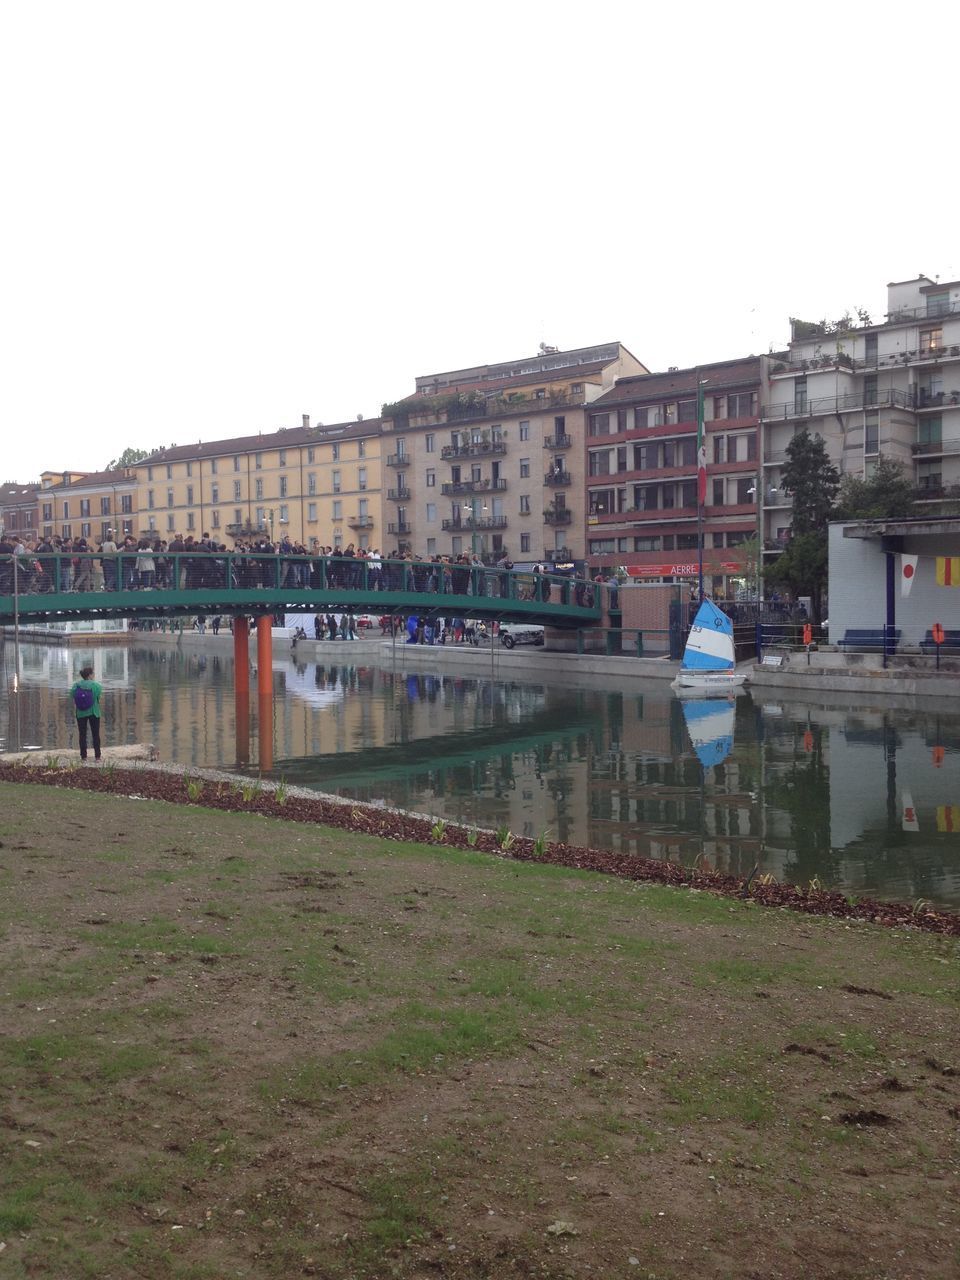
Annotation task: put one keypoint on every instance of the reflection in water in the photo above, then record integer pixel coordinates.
(864, 799)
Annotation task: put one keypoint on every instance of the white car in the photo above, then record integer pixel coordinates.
(513, 633)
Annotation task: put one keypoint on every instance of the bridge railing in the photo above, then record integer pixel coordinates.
(199, 571)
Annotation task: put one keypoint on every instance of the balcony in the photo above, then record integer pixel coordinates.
(558, 515)
(558, 442)
(398, 459)
(461, 487)
(245, 530)
(822, 405)
(932, 311)
(936, 399)
(398, 495)
(936, 448)
(558, 478)
(471, 524)
(399, 527)
(360, 522)
(473, 450)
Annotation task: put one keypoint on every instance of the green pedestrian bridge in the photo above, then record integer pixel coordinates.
(85, 586)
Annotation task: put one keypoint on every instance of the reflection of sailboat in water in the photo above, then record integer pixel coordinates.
(710, 725)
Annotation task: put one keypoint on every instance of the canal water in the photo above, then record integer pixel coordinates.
(864, 798)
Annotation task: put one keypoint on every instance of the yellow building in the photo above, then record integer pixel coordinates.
(319, 485)
(74, 504)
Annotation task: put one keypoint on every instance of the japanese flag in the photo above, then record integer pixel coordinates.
(909, 820)
(908, 571)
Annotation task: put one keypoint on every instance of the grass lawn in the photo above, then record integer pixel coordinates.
(234, 1046)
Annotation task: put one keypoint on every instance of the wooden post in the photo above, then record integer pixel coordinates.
(265, 691)
(241, 688)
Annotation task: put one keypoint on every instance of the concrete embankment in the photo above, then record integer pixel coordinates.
(829, 670)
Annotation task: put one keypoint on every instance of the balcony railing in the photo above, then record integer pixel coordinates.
(888, 397)
(398, 459)
(558, 478)
(398, 495)
(558, 442)
(472, 486)
(473, 450)
(936, 399)
(557, 515)
(399, 527)
(939, 448)
(468, 523)
(932, 311)
(245, 530)
(360, 522)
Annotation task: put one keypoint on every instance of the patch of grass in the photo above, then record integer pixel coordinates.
(399, 1213)
(724, 1089)
(158, 935)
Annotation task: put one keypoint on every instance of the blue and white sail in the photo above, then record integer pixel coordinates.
(710, 642)
(710, 725)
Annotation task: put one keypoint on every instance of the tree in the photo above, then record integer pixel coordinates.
(802, 569)
(812, 480)
(127, 459)
(886, 494)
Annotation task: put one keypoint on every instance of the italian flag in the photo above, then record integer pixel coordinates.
(948, 571)
(701, 450)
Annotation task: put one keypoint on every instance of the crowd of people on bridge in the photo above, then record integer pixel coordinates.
(57, 564)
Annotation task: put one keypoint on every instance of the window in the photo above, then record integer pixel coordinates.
(687, 411)
(599, 424)
(475, 474)
(336, 482)
(236, 463)
(238, 516)
(930, 432)
(670, 453)
(576, 389)
(84, 506)
(48, 510)
(170, 525)
(284, 513)
(646, 544)
(338, 509)
(311, 455)
(361, 477)
(719, 449)
(431, 546)
(430, 443)
(362, 449)
(456, 546)
(258, 488)
(190, 521)
(149, 473)
(524, 504)
(668, 495)
(85, 530)
(929, 475)
(602, 546)
(236, 490)
(216, 519)
(524, 542)
(621, 420)
(688, 493)
(644, 457)
(719, 492)
(189, 468)
(524, 431)
(938, 304)
(258, 461)
(431, 478)
(431, 512)
(311, 512)
(746, 492)
(189, 495)
(214, 493)
(261, 517)
(540, 393)
(283, 457)
(742, 405)
(66, 511)
(151, 524)
(800, 395)
(213, 466)
(337, 541)
(599, 463)
(931, 340)
(871, 432)
(169, 497)
(686, 542)
(169, 471)
(336, 453)
(283, 486)
(524, 468)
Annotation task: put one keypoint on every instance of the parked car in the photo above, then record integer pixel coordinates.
(513, 633)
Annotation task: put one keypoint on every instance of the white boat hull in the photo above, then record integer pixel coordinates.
(709, 681)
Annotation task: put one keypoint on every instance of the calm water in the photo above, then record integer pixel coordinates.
(865, 798)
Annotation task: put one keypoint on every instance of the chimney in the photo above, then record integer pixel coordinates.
(306, 421)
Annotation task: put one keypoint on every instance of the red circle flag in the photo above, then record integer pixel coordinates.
(908, 570)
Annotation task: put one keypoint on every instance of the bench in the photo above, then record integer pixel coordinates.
(870, 640)
(951, 642)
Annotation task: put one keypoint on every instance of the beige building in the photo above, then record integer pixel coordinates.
(18, 510)
(74, 504)
(489, 460)
(319, 485)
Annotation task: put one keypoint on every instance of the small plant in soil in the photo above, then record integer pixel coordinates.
(540, 844)
(280, 794)
(53, 762)
(194, 789)
(473, 835)
(505, 838)
(438, 830)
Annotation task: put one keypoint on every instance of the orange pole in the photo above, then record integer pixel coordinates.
(241, 688)
(265, 691)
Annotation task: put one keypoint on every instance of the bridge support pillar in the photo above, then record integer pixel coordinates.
(241, 688)
(265, 691)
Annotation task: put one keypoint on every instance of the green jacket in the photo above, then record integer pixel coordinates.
(97, 692)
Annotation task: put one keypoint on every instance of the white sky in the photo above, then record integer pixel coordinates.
(219, 216)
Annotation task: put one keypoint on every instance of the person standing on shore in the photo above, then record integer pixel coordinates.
(86, 694)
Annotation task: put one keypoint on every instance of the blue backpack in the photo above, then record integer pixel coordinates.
(82, 698)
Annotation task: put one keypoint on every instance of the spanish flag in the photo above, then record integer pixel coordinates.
(948, 571)
(948, 817)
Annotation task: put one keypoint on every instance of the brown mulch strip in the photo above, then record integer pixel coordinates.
(388, 824)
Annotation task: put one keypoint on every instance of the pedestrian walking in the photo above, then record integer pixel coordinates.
(85, 695)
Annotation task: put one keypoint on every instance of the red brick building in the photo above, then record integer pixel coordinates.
(641, 474)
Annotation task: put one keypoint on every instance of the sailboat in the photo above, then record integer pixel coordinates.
(709, 664)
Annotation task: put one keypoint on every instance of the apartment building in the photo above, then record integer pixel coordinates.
(641, 474)
(77, 504)
(319, 485)
(18, 509)
(869, 388)
(488, 460)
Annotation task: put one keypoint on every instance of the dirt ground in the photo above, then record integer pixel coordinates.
(236, 1046)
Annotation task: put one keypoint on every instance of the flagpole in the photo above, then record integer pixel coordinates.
(701, 482)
